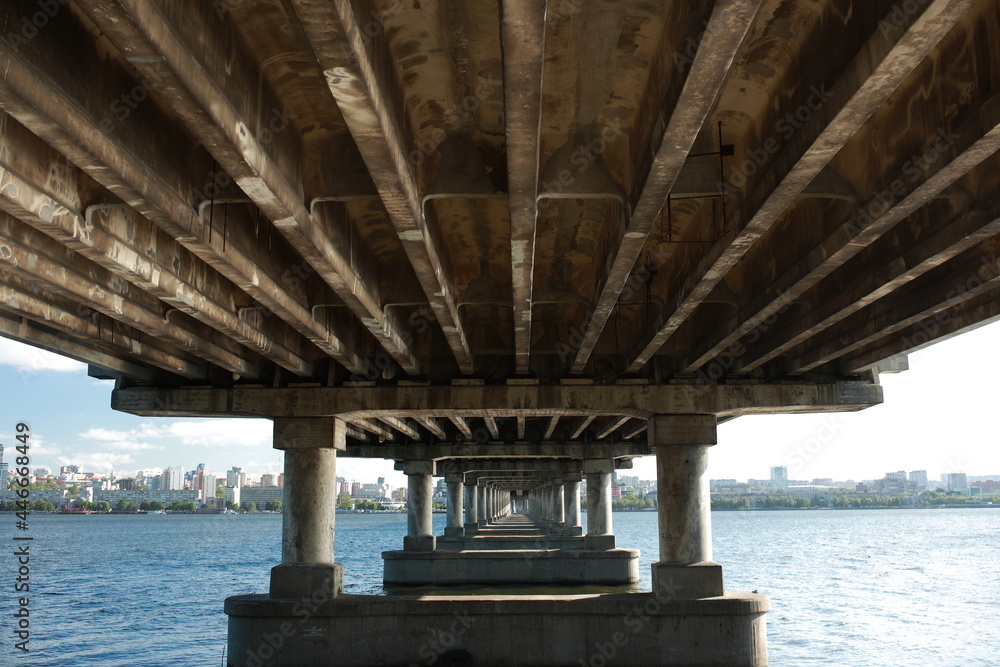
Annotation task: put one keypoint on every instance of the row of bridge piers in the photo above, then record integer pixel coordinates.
(514, 523)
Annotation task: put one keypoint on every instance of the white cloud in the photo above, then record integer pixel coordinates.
(209, 433)
(222, 432)
(29, 360)
(124, 446)
(99, 461)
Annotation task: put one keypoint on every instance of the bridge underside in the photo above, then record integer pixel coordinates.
(516, 243)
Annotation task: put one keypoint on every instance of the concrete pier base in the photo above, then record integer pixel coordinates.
(489, 543)
(299, 579)
(699, 580)
(611, 567)
(637, 630)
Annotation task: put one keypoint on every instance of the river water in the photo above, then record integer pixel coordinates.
(851, 587)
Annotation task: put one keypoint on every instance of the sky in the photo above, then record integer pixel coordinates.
(937, 416)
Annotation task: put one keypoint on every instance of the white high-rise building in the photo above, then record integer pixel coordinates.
(957, 481)
(779, 477)
(4, 471)
(919, 477)
(204, 483)
(236, 477)
(173, 478)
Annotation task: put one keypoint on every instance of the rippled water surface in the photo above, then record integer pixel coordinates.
(888, 587)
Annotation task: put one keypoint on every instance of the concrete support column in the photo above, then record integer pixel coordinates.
(307, 522)
(454, 526)
(559, 513)
(599, 529)
(483, 509)
(685, 568)
(571, 502)
(419, 498)
(471, 506)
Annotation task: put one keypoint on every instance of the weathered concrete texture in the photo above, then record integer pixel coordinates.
(632, 630)
(531, 566)
(698, 580)
(487, 542)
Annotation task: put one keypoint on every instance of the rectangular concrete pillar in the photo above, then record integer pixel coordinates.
(571, 500)
(471, 505)
(685, 569)
(419, 516)
(559, 516)
(454, 527)
(599, 527)
(309, 508)
(483, 509)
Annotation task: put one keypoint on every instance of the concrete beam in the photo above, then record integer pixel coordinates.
(974, 313)
(469, 466)
(222, 118)
(469, 402)
(430, 423)
(21, 329)
(373, 427)
(964, 147)
(44, 263)
(587, 420)
(461, 425)
(118, 239)
(675, 430)
(551, 428)
(123, 162)
(718, 40)
(933, 297)
(361, 81)
(309, 433)
(882, 64)
(523, 33)
(491, 424)
(498, 451)
(612, 426)
(401, 426)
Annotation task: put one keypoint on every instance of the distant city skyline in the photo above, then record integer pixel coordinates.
(936, 417)
(263, 478)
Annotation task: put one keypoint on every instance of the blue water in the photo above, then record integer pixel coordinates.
(876, 587)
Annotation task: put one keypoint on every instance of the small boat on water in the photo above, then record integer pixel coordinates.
(164, 512)
(74, 510)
